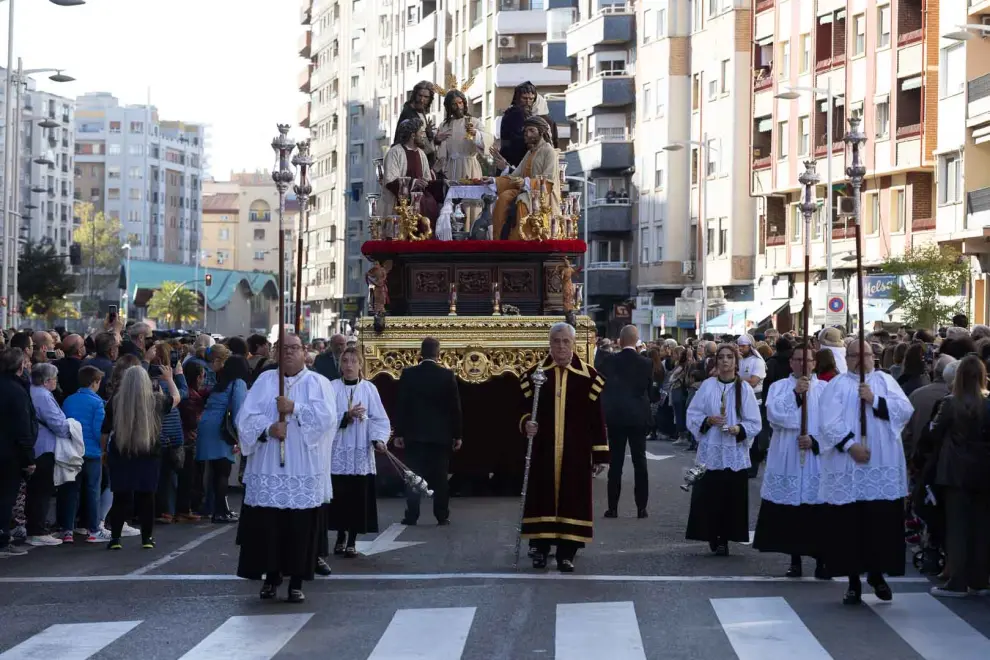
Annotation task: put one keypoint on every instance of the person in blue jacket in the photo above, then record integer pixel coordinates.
(87, 408)
(212, 443)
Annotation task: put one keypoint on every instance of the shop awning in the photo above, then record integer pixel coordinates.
(738, 320)
(765, 125)
(911, 83)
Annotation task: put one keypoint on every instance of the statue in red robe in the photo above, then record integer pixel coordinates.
(569, 445)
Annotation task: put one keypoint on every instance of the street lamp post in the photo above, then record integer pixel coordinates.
(795, 93)
(10, 160)
(703, 149)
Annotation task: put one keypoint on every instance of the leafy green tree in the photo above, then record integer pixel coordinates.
(43, 279)
(100, 242)
(928, 273)
(174, 304)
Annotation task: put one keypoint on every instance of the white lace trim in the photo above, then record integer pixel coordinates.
(351, 460)
(789, 489)
(718, 456)
(863, 483)
(284, 491)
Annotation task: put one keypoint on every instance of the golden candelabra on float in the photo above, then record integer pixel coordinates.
(537, 225)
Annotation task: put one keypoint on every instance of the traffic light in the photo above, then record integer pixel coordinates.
(75, 254)
(209, 280)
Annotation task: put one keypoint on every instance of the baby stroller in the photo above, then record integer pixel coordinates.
(927, 529)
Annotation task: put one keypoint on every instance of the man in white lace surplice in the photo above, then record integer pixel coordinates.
(864, 481)
(724, 417)
(277, 533)
(790, 512)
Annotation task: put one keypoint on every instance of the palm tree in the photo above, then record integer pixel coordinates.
(174, 304)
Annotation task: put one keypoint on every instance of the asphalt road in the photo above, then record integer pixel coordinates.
(444, 593)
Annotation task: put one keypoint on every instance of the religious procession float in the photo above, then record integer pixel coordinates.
(485, 264)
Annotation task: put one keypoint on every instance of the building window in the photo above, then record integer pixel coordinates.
(695, 92)
(859, 34)
(137, 127)
(647, 100)
(135, 173)
(723, 236)
(259, 255)
(709, 238)
(134, 194)
(113, 149)
(898, 219)
(782, 140)
(883, 117)
(804, 138)
(647, 20)
(871, 213)
(797, 224)
(712, 89)
(950, 173)
(224, 234)
(711, 167)
(805, 53)
(661, 23)
(725, 76)
(113, 173)
(883, 26)
(644, 245)
(115, 127)
(784, 71)
(113, 193)
(136, 149)
(953, 75)
(658, 171)
(259, 234)
(658, 239)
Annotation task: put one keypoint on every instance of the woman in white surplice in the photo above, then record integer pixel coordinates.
(724, 417)
(364, 429)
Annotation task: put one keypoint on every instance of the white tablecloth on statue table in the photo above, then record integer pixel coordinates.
(472, 191)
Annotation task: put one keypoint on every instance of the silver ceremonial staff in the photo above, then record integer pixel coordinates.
(282, 175)
(538, 378)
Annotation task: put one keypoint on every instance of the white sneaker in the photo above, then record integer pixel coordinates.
(129, 531)
(18, 533)
(102, 535)
(39, 541)
(81, 531)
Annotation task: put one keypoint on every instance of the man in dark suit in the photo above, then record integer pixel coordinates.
(628, 377)
(428, 427)
(68, 367)
(327, 363)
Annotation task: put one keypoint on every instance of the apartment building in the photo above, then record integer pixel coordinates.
(362, 58)
(143, 170)
(221, 241)
(963, 157)
(879, 61)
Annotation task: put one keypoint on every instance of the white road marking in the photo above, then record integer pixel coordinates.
(385, 541)
(592, 631)
(249, 637)
(425, 634)
(931, 628)
(432, 577)
(175, 554)
(658, 457)
(766, 629)
(70, 641)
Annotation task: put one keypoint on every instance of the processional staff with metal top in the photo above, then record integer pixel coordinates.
(809, 179)
(855, 138)
(283, 176)
(538, 378)
(302, 160)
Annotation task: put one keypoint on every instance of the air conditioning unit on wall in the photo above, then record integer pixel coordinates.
(687, 268)
(507, 42)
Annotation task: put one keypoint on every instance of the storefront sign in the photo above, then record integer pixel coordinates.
(879, 286)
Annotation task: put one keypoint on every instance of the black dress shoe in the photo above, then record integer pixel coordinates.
(722, 550)
(296, 596)
(821, 573)
(322, 567)
(713, 545)
(565, 565)
(882, 590)
(268, 591)
(408, 521)
(794, 571)
(641, 513)
(611, 513)
(539, 560)
(852, 597)
(444, 522)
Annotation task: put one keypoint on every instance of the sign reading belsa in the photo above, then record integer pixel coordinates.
(879, 286)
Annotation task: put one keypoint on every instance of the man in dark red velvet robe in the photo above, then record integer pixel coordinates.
(569, 445)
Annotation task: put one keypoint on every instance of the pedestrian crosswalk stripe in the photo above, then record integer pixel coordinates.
(425, 634)
(249, 637)
(766, 629)
(592, 631)
(931, 628)
(70, 641)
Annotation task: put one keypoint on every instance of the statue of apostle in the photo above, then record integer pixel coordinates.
(513, 188)
(408, 159)
(417, 107)
(460, 141)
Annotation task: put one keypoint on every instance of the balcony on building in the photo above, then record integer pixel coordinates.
(611, 214)
(604, 149)
(515, 69)
(608, 88)
(305, 77)
(909, 104)
(774, 227)
(303, 116)
(764, 5)
(608, 278)
(911, 22)
(421, 24)
(763, 65)
(830, 41)
(555, 56)
(306, 12)
(978, 209)
(305, 44)
(821, 126)
(520, 17)
(978, 104)
(762, 154)
(608, 24)
(558, 21)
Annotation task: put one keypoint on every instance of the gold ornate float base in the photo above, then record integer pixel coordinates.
(474, 347)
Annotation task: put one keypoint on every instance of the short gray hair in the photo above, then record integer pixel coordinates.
(941, 364)
(139, 329)
(949, 373)
(563, 326)
(43, 371)
(979, 332)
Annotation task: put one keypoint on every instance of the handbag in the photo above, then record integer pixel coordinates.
(228, 430)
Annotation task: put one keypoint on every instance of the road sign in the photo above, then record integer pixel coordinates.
(835, 309)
